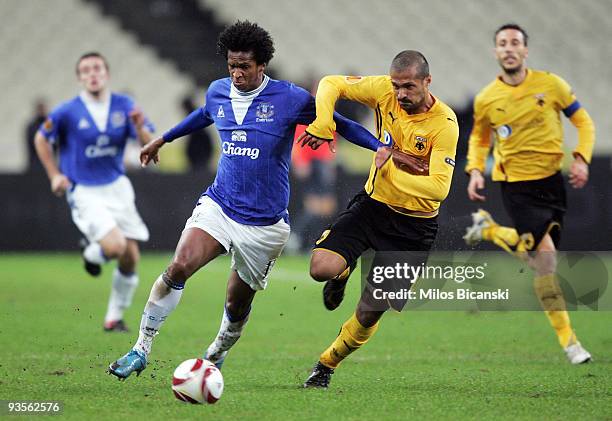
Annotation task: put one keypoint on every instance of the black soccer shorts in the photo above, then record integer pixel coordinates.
(537, 207)
(369, 224)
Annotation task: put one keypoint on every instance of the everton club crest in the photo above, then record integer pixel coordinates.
(264, 112)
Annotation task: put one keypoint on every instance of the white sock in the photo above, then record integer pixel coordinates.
(228, 335)
(162, 301)
(122, 292)
(93, 253)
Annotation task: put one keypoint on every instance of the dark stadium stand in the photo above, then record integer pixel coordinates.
(165, 206)
(155, 24)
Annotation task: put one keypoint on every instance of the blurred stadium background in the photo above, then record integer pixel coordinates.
(162, 50)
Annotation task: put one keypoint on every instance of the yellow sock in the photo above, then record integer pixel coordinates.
(550, 295)
(351, 337)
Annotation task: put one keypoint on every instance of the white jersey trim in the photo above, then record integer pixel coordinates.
(241, 101)
(98, 110)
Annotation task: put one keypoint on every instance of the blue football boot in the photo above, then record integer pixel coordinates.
(126, 365)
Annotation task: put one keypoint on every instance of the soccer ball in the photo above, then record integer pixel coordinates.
(197, 381)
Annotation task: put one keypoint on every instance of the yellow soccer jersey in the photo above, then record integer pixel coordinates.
(431, 135)
(527, 126)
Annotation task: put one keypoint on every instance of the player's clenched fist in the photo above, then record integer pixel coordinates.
(59, 184)
(578, 173)
(137, 117)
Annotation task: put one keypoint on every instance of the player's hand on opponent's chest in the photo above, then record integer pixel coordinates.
(403, 161)
(59, 184)
(150, 152)
(315, 142)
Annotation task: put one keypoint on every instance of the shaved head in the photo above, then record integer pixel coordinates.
(411, 59)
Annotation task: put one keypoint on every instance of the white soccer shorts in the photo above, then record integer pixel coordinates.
(96, 210)
(254, 248)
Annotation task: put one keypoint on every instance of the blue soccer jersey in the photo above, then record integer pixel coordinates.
(88, 154)
(256, 130)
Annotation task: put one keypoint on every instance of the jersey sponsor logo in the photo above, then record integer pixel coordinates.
(239, 136)
(230, 148)
(84, 124)
(503, 132)
(117, 119)
(420, 143)
(100, 149)
(220, 112)
(353, 79)
(387, 139)
(264, 113)
(450, 161)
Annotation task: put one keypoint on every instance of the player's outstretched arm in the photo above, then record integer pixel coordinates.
(59, 182)
(197, 120)
(357, 134)
(350, 130)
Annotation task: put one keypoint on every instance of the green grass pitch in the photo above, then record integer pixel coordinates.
(420, 365)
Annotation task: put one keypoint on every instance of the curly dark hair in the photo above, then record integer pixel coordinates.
(244, 36)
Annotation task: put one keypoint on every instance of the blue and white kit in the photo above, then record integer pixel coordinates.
(91, 137)
(251, 188)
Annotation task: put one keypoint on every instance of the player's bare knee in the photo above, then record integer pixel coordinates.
(321, 271)
(116, 248)
(545, 259)
(127, 265)
(324, 267)
(180, 270)
(129, 259)
(545, 262)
